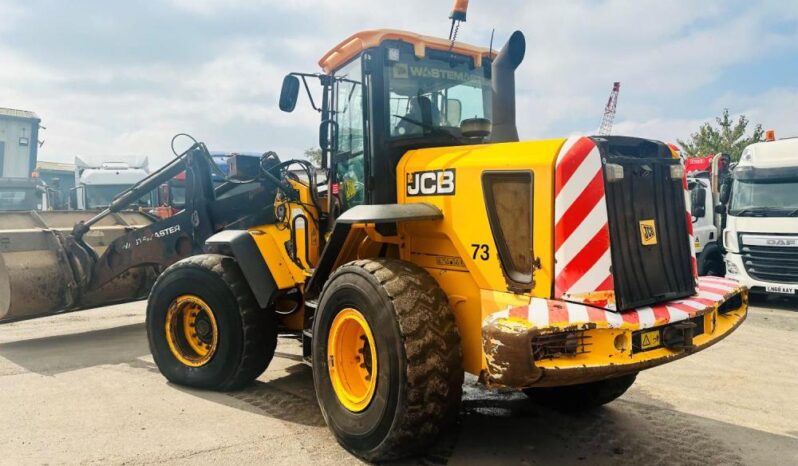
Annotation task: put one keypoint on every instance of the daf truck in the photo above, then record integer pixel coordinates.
(761, 231)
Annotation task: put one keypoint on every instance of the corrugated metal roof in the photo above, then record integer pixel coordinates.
(17, 113)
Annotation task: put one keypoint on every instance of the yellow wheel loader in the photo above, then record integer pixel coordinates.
(439, 245)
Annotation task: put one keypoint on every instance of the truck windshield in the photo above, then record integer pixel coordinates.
(764, 198)
(431, 95)
(18, 199)
(101, 196)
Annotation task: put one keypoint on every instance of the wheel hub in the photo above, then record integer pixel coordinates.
(352, 360)
(191, 330)
(203, 328)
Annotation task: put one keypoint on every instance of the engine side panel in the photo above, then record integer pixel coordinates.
(460, 250)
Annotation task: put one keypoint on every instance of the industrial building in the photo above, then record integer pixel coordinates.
(19, 136)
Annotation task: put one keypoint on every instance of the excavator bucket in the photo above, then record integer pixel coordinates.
(37, 276)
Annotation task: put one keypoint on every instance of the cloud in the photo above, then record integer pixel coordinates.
(124, 77)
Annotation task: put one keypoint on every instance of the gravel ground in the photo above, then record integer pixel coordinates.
(82, 388)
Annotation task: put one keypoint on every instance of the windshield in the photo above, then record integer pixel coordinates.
(432, 94)
(19, 199)
(764, 198)
(101, 196)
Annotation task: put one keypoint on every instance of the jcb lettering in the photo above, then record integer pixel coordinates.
(431, 183)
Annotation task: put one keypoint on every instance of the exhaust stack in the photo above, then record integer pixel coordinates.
(503, 87)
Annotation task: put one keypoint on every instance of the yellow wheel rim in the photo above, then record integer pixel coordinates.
(191, 330)
(352, 360)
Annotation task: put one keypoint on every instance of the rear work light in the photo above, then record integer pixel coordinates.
(614, 172)
(677, 172)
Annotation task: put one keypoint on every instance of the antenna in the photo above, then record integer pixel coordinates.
(605, 129)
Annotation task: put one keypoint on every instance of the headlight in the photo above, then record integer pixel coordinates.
(730, 241)
(731, 268)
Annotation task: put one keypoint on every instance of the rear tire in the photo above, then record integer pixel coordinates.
(582, 396)
(417, 366)
(246, 336)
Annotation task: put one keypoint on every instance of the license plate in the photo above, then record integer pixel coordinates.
(780, 289)
(649, 339)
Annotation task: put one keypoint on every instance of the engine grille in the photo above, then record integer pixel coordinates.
(645, 274)
(771, 263)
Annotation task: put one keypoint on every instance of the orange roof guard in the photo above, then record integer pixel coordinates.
(356, 43)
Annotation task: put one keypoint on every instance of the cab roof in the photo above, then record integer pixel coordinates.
(356, 43)
(771, 154)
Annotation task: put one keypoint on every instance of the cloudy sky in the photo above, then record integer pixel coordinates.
(123, 77)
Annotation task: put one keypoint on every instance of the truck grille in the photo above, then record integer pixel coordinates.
(771, 263)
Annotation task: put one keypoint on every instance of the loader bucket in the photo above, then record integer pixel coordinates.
(36, 278)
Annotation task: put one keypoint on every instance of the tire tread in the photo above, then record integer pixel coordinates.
(433, 355)
(259, 334)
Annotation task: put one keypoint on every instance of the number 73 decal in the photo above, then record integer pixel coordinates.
(481, 252)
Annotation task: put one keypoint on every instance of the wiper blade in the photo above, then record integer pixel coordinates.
(749, 211)
(765, 212)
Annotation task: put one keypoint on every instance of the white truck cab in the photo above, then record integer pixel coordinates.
(706, 229)
(98, 182)
(761, 234)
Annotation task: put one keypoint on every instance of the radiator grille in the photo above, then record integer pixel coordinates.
(771, 263)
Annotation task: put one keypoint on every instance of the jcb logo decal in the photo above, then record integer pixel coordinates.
(648, 232)
(431, 183)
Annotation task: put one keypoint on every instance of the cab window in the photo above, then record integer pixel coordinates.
(348, 170)
(433, 94)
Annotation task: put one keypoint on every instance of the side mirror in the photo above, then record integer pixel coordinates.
(80, 197)
(698, 199)
(289, 93)
(725, 192)
(720, 209)
(454, 112)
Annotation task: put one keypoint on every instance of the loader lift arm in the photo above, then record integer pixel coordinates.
(207, 211)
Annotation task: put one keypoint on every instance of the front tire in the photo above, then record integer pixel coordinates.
(387, 361)
(710, 261)
(205, 327)
(581, 397)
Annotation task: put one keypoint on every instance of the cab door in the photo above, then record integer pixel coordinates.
(348, 174)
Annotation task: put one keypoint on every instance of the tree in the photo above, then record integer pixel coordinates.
(727, 137)
(314, 155)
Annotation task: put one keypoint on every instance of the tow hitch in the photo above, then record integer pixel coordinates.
(679, 336)
(676, 336)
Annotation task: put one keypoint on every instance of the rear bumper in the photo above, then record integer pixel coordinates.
(579, 344)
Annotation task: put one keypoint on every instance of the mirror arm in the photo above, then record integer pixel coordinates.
(307, 90)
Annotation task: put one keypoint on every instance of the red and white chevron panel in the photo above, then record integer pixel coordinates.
(581, 230)
(544, 313)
